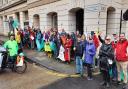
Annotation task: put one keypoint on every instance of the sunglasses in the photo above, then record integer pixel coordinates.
(107, 39)
(90, 38)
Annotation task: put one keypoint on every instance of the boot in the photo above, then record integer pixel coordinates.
(107, 85)
(103, 83)
(125, 86)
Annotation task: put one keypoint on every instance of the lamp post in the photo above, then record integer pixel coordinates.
(99, 11)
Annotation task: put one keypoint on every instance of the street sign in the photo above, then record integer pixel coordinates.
(95, 8)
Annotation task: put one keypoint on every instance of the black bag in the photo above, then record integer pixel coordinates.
(103, 63)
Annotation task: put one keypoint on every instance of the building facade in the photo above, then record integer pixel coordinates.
(72, 15)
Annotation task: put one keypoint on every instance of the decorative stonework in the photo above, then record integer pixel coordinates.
(95, 13)
(9, 4)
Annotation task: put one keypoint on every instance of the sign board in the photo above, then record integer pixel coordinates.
(95, 8)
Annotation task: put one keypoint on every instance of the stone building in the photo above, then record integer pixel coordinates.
(72, 15)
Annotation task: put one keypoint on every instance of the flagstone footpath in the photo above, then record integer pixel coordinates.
(41, 59)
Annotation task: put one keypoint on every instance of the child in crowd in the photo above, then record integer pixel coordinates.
(48, 49)
(18, 39)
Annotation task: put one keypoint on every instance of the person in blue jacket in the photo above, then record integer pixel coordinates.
(90, 52)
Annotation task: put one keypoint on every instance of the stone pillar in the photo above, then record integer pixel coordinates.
(72, 22)
(1, 25)
(43, 22)
(5, 25)
(95, 19)
(22, 17)
(90, 21)
(63, 22)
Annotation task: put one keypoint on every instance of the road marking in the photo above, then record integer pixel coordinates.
(67, 75)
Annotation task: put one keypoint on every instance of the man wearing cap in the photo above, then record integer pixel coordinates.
(114, 68)
(12, 46)
(115, 39)
(121, 53)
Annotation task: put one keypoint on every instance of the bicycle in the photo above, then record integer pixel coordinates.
(14, 66)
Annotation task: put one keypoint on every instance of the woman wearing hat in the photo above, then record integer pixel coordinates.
(106, 56)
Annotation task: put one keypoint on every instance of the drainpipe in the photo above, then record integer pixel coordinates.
(84, 19)
(120, 22)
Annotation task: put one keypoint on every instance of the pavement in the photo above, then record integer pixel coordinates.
(41, 59)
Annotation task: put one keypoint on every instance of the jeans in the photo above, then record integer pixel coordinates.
(79, 65)
(12, 59)
(20, 45)
(55, 53)
(114, 71)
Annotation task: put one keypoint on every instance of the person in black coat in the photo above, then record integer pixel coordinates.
(79, 50)
(106, 56)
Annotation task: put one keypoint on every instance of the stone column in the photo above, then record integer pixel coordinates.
(22, 19)
(63, 22)
(43, 22)
(1, 25)
(6, 25)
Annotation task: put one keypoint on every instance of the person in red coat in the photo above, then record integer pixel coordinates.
(32, 37)
(67, 47)
(96, 41)
(121, 53)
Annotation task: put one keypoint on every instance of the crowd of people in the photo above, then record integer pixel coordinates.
(111, 55)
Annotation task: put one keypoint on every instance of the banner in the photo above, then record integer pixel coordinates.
(15, 24)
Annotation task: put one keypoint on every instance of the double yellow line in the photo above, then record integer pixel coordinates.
(67, 75)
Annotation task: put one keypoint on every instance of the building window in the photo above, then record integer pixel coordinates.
(5, 2)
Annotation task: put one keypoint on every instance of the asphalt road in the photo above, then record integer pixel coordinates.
(79, 83)
(40, 78)
(33, 78)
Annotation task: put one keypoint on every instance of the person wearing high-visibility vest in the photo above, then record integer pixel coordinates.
(12, 46)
